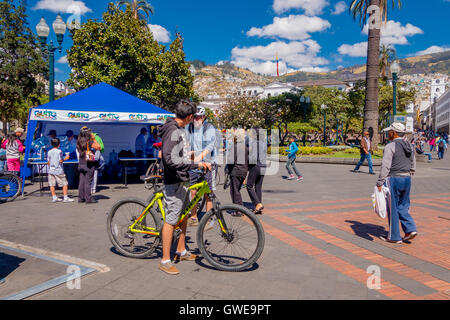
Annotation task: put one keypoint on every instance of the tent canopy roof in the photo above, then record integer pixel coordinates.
(102, 98)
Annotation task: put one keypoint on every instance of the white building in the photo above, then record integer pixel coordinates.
(443, 113)
(437, 89)
(325, 83)
(276, 88)
(251, 90)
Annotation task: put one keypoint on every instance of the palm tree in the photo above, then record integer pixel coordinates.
(141, 8)
(387, 56)
(360, 8)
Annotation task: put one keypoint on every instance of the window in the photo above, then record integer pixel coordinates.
(438, 81)
(437, 89)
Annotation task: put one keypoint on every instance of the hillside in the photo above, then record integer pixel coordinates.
(215, 81)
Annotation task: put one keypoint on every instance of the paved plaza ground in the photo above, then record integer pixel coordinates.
(321, 238)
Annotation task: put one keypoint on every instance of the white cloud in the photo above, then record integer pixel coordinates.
(62, 6)
(63, 60)
(339, 7)
(311, 7)
(293, 27)
(394, 33)
(159, 33)
(433, 49)
(58, 70)
(295, 55)
(355, 50)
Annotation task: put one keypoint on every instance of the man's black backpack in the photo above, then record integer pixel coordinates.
(441, 144)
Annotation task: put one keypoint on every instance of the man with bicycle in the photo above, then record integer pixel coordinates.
(202, 142)
(176, 173)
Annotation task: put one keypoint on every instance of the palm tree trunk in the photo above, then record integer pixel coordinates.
(371, 103)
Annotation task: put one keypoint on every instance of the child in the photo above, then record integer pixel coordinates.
(56, 172)
(290, 164)
(13, 148)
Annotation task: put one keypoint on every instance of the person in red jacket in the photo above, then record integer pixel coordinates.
(14, 147)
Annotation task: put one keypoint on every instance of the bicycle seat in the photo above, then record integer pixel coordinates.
(152, 178)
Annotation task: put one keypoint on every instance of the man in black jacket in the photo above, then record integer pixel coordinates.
(176, 173)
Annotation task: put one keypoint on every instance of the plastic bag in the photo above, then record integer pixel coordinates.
(380, 201)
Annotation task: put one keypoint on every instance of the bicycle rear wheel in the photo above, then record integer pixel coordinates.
(132, 244)
(240, 248)
(152, 170)
(10, 186)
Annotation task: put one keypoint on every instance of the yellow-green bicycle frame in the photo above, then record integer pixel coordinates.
(202, 188)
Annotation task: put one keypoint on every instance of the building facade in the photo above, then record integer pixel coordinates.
(442, 109)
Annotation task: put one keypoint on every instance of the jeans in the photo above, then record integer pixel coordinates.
(235, 189)
(441, 153)
(361, 161)
(430, 157)
(399, 188)
(290, 165)
(254, 185)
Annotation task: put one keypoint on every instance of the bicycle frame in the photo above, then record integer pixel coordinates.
(202, 188)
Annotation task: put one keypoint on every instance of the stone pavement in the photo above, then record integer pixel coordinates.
(321, 238)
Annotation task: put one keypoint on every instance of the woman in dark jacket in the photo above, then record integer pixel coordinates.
(237, 165)
(256, 167)
(86, 147)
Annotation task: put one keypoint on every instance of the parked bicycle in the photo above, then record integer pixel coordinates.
(229, 237)
(10, 186)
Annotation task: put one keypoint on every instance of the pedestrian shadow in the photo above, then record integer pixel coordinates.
(366, 230)
(8, 264)
(100, 197)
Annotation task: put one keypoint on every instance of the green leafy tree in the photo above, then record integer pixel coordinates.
(121, 52)
(360, 9)
(405, 96)
(21, 62)
(141, 9)
(243, 112)
(211, 117)
(387, 57)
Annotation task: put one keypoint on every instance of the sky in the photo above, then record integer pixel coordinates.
(306, 35)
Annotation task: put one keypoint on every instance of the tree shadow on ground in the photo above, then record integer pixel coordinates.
(366, 230)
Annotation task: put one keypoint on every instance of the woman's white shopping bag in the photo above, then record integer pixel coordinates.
(380, 201)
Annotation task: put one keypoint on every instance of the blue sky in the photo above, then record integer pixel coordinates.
(308, 35)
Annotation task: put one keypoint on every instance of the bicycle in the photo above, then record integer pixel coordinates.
(218, 181)
(224, 233)
(10, 186)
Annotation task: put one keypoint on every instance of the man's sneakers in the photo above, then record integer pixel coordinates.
(187, 256)
(410, 236)
(56, 199)
(66, 200)
(168, 267)
(300, 178)
(291, 177)
(354, 171)
(385, 239)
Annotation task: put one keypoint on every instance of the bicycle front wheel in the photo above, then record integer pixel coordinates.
(133, 244)
(242, 244)
(10, 186)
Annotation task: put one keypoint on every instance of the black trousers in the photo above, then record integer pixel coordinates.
(235, 189)
(254, 185)
(85, 184)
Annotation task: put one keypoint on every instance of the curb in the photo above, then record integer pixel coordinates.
(344, 161)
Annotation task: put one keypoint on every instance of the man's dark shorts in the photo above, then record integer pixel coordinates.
(196, 177)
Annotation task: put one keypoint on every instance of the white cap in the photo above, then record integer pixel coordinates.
(200, 111)
(397, 127)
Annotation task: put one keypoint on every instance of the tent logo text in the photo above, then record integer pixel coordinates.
(160, 117)
(138, 117)
(78, 115)
(108, 116)
(49, 115)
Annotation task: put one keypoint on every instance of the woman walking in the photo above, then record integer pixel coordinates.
(14, 147)
(256, 168)
(237, 164)
(86, 147)
(290, 164)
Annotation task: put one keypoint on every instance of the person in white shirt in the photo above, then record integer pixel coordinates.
(56, 174)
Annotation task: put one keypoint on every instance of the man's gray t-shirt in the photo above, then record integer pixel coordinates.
(55, 167)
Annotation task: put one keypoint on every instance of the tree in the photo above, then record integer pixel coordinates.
(387, 56)
(120, 52)
(404, 97)
(360, 8)
(211, 117)
(141, 9)
(20, 61)
(243, 112)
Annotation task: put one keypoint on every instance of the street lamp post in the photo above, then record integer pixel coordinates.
(304, 102)
(324, 109)
(395, 69)
(43, 31)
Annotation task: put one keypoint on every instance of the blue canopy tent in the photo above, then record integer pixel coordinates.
(103, 108)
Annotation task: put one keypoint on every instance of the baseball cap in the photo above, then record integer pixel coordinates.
(69, 133)
(200, 111)
(19, 130)
(52, 132)
(397, 127)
